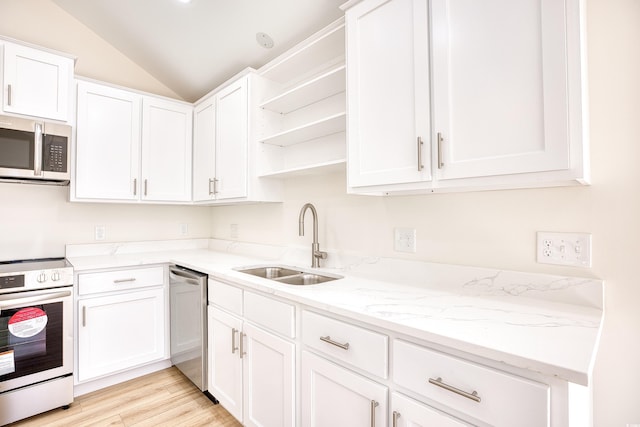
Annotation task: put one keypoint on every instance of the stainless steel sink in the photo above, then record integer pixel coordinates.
(288, 275)
(270, 272)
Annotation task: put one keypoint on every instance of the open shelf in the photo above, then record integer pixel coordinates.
(323, 127)
(314, 169)
(323, 86)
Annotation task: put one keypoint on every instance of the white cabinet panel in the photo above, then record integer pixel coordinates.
(108, 135)
(36, 83)
(388, 92)
(119, 332)
(166, 150)
(333, 396)
(204, 152)
(225, 365)
(500, 86)
(407, 412)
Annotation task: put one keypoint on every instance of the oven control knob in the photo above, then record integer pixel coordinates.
(42, 277)
(55, 276)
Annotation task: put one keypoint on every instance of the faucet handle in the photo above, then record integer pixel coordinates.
(320, 254)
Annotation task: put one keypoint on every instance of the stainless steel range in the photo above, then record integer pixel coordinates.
(36, 337)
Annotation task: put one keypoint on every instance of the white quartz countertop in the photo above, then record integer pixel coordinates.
(542, 323)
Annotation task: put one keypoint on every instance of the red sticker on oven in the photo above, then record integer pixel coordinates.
(28, 322)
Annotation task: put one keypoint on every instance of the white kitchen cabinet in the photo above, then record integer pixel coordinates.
(333, 396)
(406, 412)
(224, 166)
(388, 93)
(108, 143)
(119, 332)
(507, 97)
(251, 371)
(166, 150)
(131, 147)
(36, 82)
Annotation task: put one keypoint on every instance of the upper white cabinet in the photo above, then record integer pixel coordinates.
(166, 150)
(388, 80)
(36, 82)
(506, 95)
(131, 147)
(107, 143)
(224, 148)
(303, 113)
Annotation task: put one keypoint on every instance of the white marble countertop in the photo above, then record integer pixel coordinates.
(543, 323)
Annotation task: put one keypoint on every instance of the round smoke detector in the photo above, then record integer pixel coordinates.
(264, 40)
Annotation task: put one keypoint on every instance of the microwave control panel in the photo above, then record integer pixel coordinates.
(54, 156)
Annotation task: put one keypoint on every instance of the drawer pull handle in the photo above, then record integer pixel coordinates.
(374, 405)
(438, 382)
(396, 415)
(328, 339)
(131, 279)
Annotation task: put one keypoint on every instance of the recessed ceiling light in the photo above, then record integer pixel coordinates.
(264, 40)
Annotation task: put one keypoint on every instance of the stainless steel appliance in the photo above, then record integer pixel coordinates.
(36, 337)
(188, 291)
(33, 151)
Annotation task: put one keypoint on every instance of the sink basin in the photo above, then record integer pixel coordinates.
(270, 272)
(306, 279)
(288, 275)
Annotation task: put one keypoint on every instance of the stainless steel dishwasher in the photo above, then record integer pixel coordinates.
(188, 290)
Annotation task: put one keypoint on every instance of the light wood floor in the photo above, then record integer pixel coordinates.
(164, 398)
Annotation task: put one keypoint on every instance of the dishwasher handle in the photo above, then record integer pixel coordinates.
(179, 275)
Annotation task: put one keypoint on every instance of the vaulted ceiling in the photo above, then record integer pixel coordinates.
(193, 47)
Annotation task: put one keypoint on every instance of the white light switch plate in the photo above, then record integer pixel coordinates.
(564, 249)
(404, 240)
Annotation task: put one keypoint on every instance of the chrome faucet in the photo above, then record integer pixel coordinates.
(316, 254)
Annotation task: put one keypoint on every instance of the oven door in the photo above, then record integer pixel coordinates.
(36, 336)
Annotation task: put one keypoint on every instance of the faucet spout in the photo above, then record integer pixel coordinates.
(316, 254)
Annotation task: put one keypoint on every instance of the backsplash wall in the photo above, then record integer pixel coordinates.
(36, 221)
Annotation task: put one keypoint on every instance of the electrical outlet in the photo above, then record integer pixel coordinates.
(564, 249)
(233, 231)
(404, 240)
(184, 228)
(99, 232)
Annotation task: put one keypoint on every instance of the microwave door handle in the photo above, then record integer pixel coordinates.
(37, 150)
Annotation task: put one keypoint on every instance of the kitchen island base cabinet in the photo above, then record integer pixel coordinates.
(333, 396)
(119, 332)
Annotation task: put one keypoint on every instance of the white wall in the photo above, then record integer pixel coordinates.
(498, 228)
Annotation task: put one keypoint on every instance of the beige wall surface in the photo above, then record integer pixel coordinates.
(494, 229)
(498, 228)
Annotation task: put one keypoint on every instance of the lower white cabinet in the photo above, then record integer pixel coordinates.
(333, 396)
(251, 371)
(406, 412)
(118, 332)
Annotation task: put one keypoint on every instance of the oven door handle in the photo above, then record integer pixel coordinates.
(18, 302)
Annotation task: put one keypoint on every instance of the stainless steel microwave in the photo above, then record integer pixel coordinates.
(33, 151)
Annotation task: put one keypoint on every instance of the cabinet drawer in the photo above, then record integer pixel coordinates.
(357, 346)
(275, 315)
(489, 395)
(108, 281)
(225, 296)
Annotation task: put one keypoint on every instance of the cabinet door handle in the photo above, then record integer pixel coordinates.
(211, 181)
(420, 144)
(440, 141)
(374, 405)
(84, 316)
(234, 331)
(396, 415)
(135, 186)
(145, 187)
(242, 352)
(130, 279)
(328, 339)
(215, 185)
(9, 95)
(438, 382)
